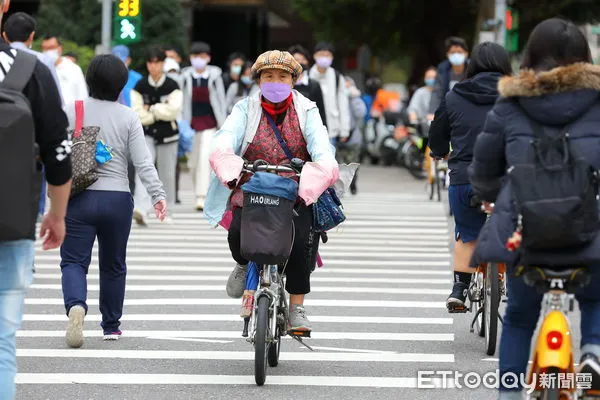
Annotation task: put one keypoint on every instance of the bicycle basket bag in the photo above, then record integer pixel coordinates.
(555, 196)
(267, 228)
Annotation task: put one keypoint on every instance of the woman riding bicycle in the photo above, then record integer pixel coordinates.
(557, 88)
(248, 135)
(459, 120)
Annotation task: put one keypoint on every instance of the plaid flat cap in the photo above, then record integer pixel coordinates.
(276, 59)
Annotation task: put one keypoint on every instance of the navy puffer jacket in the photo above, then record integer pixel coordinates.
(563, 97)
(459, 120)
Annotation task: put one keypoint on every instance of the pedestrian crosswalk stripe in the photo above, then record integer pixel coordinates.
(236, 318)
(345, 335)
(248, 380)
(352, 216)
(220, 288)
(137, 241)
(233, 355)
(132, 251)
(324, 254)
(223, 278)
(369, 268)
(310, 302)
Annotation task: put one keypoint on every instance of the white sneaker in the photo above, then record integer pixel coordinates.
(168, 220)
(139, 217)
(200, 204)
(74, 334)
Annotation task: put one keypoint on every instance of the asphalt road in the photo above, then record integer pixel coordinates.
(377, 307)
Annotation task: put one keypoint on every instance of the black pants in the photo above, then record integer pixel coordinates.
(303, 257)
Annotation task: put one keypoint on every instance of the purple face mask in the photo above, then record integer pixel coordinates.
(324, 62)
(275, 92)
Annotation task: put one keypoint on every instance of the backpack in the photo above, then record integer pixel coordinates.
(20, 171)
(555, 196)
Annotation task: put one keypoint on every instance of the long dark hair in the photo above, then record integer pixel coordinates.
(488, 57)
(241, 86)
(553, 43)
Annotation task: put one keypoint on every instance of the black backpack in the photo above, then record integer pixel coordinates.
(20, 171)
(555, 196)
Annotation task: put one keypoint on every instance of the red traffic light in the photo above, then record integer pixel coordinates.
(509, 20)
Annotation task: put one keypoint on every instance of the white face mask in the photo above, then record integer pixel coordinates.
(53, 55)
(457, 59)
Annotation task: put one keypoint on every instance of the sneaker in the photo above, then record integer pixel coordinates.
(139, 218)
(237, 281)
(589, 365)
(298, 320)
(112, 335)
(74, 334)
(456, 301)
(200, 204)
(168, 220)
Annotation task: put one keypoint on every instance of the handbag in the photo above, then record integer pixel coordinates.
(327, 210)
(83, 157)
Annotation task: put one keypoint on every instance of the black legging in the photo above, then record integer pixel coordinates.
(302, 258)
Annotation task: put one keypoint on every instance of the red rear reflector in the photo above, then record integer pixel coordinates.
(554, 339)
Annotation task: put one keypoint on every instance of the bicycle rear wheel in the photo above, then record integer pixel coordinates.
(491, 304)
(260, 340)
(552, 393)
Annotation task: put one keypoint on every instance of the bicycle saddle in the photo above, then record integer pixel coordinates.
(540, 277)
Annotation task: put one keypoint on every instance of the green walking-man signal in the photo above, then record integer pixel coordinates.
(128, 22)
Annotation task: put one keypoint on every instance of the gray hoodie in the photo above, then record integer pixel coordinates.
(216, 90)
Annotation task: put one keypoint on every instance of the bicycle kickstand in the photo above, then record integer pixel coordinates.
(299, 339)
(479, 311)
(501, 319)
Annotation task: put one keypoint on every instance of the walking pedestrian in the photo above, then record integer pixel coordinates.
(70, 75)
(242, 88)
(19, 32)
(133, 77)
(334, 92)
(349, 151)
(157, 101)
(104, 211)
(450, 71)
(235, 67)
(205, 109)
(307, 86)
(418, 108)
(38, 120)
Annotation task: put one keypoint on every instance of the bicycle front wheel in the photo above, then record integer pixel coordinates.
(260, 340)
(491, 305)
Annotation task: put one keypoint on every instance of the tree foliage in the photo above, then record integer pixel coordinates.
(80, 21)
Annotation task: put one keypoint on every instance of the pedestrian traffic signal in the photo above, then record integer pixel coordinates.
(128, 22)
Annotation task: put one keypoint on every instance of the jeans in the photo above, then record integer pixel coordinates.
(106, 215)
(16, 270)
(42, 202)
(522, 314)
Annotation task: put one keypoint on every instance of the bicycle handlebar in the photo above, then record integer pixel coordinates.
(263, 166)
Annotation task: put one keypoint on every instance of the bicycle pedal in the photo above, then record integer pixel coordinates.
(457, 309)
(299, 333)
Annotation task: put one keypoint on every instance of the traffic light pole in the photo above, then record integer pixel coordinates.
(106, 22)
(500, 16)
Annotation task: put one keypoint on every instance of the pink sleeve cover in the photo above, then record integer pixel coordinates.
(226, 164)
(316, 178)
